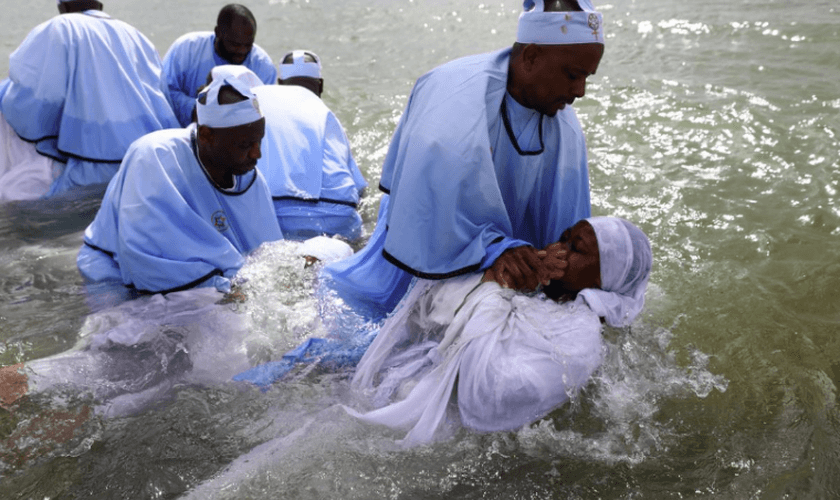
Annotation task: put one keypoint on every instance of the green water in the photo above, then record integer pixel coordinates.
(712, 126)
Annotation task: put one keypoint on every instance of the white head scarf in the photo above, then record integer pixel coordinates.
(626, 261)
(299, 66)
(560, 28)
(236, 71)
(215, 115)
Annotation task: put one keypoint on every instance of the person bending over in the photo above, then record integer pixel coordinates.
(487, 165)
(505, 358)
(187, 204)
(82, 87)
(307, 161)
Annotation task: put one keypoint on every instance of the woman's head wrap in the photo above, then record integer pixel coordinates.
(215, 115)
(560, 28)
(626, 261)
(299, 66)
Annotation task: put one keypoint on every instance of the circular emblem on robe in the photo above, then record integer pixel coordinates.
(594, 23)
(219, 220)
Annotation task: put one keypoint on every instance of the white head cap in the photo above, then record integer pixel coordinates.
(215, 115)
(236, 71)
(299, 66)
(626, 260)
(560, 28)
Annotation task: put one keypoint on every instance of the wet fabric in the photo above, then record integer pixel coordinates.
(502, 359)
(329, 353)
(512, 358)
(129, 356)
(308, 164)
(189, 61)
(24, 173)
(64, 81)
(626, 261)
(164, 226)
(367, 282)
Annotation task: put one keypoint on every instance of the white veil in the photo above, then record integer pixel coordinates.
(626, 260)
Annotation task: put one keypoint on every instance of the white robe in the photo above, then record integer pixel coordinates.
(513, 357)
(25, 174)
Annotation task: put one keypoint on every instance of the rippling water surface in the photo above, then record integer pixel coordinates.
(714, 126)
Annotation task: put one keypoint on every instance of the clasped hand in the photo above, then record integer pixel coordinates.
(525, 267)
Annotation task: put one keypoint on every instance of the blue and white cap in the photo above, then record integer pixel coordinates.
(299, 66)
(215, 115)
(560, 28)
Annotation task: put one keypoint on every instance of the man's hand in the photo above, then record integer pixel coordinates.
(236, 296)
(554, 261)
(519, 268)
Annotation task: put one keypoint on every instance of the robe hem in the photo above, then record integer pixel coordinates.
(316, 200)
(65, 153)
(191, 284)
(106, 252)
(430, 276)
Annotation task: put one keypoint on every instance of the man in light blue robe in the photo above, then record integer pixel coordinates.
(186, 204)
(82, 87)
(192, 56)
(307, 161)
(487, 165)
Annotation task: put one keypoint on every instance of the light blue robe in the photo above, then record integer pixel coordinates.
(164, 226)
(84, 87)
(460, 192)
(307, 162)
(189, 61)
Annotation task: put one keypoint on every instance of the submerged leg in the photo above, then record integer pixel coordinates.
(13, 384)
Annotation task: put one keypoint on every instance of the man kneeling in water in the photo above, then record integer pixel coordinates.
(514, 357)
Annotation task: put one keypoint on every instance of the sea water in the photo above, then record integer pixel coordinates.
(713, 126)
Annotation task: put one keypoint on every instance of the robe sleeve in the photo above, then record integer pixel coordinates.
(174, 63)
(263, 66)
(446, 206)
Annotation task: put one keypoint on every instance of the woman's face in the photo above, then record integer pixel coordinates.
(584, 270)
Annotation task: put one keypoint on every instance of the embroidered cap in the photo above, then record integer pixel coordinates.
(215, 115)
(560, 28)
(299, 66)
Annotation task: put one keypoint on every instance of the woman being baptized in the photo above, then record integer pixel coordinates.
(496, 359)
